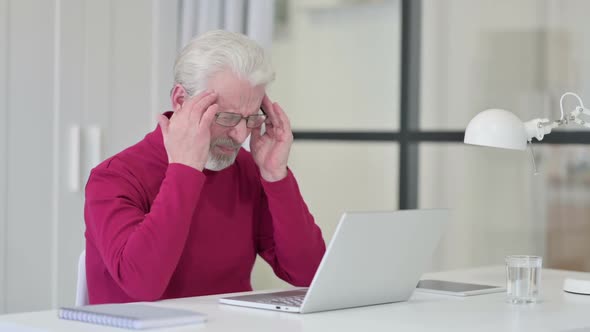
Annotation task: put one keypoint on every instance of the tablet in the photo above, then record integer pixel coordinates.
(456, 288)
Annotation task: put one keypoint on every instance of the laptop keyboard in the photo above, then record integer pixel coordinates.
(292, 301)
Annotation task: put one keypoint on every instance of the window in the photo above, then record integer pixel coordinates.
(447, 61)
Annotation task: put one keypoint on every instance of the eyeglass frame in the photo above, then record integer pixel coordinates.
(241, 118)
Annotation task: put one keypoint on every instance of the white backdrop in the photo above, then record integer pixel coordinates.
(64, 64)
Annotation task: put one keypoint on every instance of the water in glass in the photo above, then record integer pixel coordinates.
(523, 277)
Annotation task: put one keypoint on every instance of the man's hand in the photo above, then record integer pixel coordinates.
(271, 150)
(186, 134)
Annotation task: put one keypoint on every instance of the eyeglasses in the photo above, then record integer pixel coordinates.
(229, 119)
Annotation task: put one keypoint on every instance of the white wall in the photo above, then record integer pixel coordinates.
(338, 66)
(478, 54)
(520, 55)
(3, 141)
(91, 63)
(490, 193)
(29, 156)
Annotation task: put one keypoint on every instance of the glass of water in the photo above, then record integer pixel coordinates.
(523, 278)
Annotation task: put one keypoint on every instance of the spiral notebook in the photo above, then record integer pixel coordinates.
(131, 315)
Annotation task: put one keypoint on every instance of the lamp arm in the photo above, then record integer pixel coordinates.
(574, 116)
(538, 128)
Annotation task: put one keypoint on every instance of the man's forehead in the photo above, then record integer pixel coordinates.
(238, 101)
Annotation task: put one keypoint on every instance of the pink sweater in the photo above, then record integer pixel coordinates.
(156, 230)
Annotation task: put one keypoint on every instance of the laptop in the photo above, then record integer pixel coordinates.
(373, 258)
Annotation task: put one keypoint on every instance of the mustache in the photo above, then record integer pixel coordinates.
(226, 142)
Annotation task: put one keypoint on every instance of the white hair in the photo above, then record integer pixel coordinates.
(217, 50)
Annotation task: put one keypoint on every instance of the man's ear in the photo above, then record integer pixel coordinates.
(178, 97)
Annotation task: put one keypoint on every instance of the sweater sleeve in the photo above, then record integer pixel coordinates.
(141, 250)
(288, 238)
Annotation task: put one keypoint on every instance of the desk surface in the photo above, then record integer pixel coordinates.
(559, 311)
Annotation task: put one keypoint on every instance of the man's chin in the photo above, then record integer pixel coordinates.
(219, 164)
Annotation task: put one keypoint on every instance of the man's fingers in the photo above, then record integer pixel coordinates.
(197, 98)
(283, 118)
(267, 107)
(209, 116)
(275, 117)
(201, 107)
(189, 102)
(255, 133)
(163, 122)
(271, 113)
(266, 101)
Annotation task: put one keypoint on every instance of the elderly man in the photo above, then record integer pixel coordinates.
(185, 211)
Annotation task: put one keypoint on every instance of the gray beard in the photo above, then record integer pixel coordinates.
(218, 162)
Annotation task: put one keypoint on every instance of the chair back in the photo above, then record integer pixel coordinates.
(82, 288)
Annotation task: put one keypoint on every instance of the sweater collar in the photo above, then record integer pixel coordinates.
(156, 140)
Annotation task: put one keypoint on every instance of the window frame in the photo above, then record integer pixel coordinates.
(409, 136)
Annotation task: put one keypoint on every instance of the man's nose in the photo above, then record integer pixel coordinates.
(239, 132)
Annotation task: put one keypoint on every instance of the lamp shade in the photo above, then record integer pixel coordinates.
(496, 128)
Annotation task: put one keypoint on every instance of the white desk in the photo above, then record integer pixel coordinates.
(559, 311)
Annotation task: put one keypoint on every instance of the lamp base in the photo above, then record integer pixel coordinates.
(577, 286)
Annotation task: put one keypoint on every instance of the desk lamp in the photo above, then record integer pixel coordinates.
(502, 129)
